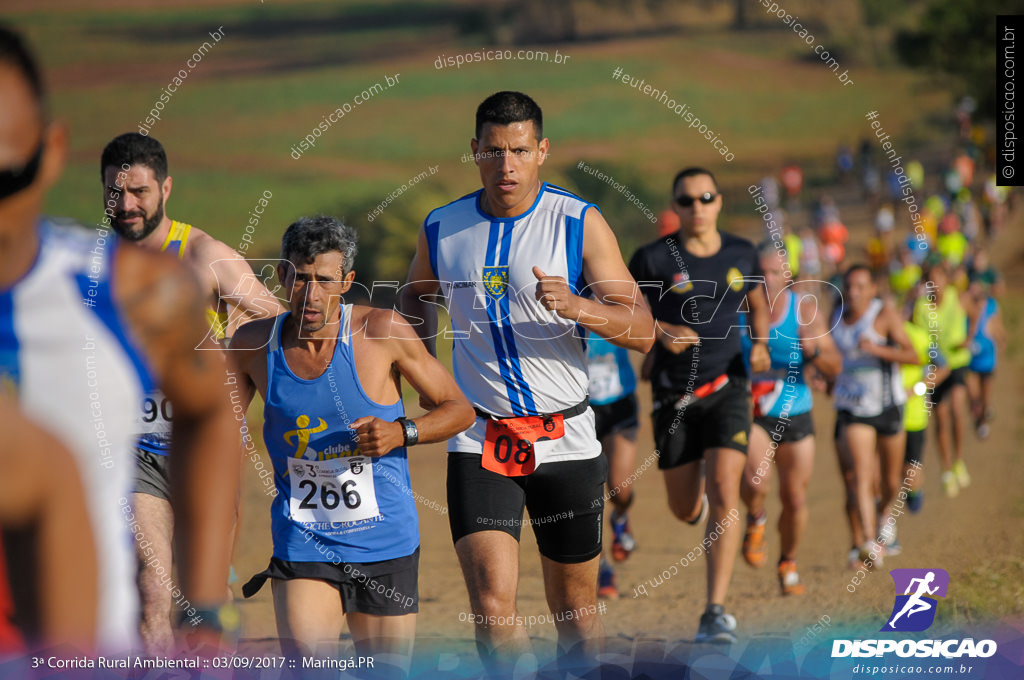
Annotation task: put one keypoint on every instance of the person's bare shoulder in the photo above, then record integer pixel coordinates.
(381, 325)
(205, 250)
(254, 335)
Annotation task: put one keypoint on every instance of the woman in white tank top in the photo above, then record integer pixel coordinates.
(868, 400)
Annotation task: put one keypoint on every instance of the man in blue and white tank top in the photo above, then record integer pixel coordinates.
(86, 326)
(526, 270)
(344, 523)
(783, 427)
(869, 398)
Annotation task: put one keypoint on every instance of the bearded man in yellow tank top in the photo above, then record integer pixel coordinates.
(136, 187)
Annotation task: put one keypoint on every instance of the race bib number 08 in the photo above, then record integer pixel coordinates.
(336, 490)
(509, 443)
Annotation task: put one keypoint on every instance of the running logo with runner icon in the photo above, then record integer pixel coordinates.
(914, 610)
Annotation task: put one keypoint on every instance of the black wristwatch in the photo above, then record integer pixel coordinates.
(412, 435)
(814, 355)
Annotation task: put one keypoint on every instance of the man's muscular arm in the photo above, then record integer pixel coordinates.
(421, 284)
(166, 311)
(235, 284)
(618, 312)
(450, 411)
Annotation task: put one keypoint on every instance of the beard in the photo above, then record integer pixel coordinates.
(149, 223)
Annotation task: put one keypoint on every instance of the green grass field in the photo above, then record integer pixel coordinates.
(280, 69)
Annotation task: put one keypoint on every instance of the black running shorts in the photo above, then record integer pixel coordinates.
(719, 420)
(616, 416)
(386, 588)
(565, 501)
(792, 430)
(151, 474)
(887, 423)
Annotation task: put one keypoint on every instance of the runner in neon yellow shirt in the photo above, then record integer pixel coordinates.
(941, 308)
(919, 381)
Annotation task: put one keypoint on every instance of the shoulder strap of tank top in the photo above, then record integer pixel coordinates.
(275, 334)
(789, 299)
(179, 233)
(345, 332)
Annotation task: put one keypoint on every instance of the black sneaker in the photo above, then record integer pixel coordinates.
(716, 626)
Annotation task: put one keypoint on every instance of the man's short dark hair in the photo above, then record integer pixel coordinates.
(308, 237)
(131, 148)
(505, 108)
(15, 53)
(692, 171)
(854, 268)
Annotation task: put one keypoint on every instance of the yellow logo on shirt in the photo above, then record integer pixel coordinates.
(734, 279)
(301, 435)
(496, 281)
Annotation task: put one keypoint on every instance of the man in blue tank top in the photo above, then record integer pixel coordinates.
(783, 427)
(344, 523)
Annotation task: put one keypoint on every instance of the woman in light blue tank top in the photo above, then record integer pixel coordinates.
(783, 429)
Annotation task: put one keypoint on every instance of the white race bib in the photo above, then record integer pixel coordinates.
(860, 392)
(156, 414)
(337, 490)
(604, 378)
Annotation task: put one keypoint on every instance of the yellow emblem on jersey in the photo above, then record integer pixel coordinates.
(740, 438)
(496, 281)
(734, 279)
(301, 435)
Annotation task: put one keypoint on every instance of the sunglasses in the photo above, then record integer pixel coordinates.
(705, 198)
(16, 179)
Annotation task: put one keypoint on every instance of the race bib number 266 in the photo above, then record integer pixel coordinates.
(336, 490)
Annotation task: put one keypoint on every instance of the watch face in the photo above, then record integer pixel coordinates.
(411, 433)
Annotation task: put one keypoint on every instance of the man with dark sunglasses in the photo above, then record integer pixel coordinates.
(697, 281)
(86, 325)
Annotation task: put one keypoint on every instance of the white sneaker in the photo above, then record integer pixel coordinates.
(887, 534)
(872, 547)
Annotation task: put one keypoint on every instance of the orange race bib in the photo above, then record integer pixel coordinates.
(508, 443)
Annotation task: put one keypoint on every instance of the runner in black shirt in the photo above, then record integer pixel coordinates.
(697, 283)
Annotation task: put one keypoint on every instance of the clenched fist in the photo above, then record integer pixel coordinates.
(376, 437)
(554, 294)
